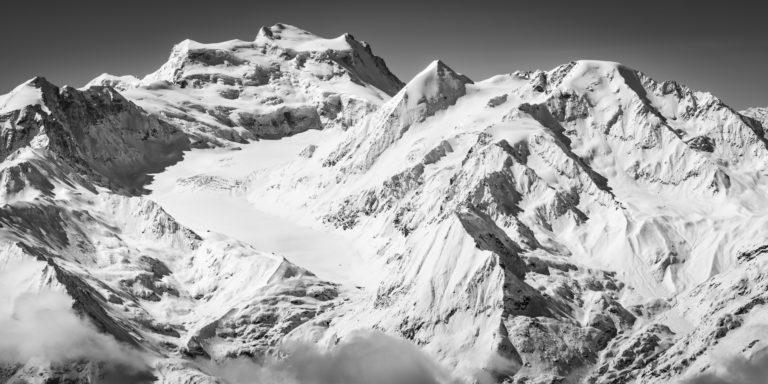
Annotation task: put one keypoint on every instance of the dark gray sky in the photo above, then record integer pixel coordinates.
(719, 46)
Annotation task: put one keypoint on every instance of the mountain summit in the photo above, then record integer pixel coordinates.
(286, 81)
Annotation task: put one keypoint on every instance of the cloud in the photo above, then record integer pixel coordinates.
(364, 357)
(44, 326)
(736, 370)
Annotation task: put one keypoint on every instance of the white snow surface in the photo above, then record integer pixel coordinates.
(20, 97)
(288, 36)
(214, 202)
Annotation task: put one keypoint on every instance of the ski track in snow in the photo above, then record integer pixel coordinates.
(228, 213)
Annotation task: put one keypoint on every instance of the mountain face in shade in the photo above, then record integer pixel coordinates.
(284, 209)
(759, 114)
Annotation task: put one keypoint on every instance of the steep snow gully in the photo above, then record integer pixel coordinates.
(285, 210)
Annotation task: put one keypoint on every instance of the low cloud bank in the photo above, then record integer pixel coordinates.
(44, 326)
(364, 357)
(736, 370)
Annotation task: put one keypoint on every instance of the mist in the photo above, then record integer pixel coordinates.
(364, 357)
(44, 326)
(736, 370)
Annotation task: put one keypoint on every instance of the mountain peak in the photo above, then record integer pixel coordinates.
(437, 80)
(440, 70)
(38, 82)
(283, 31)
(120, 83)
(278, 43)
(30, 92)
(289, 37)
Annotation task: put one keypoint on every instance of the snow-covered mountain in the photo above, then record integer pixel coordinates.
(284, 82)
(246, 211)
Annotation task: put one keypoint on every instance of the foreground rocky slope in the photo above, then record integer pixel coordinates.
(583, 224)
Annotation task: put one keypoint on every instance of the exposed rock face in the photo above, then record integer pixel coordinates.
(759, 114)
(583, 224)
(97, 130)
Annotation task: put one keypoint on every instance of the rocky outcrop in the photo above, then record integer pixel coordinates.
(98, 131)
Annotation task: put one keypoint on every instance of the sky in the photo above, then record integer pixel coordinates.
(721, 47)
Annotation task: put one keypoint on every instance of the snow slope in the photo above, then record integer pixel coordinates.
(23, 95)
